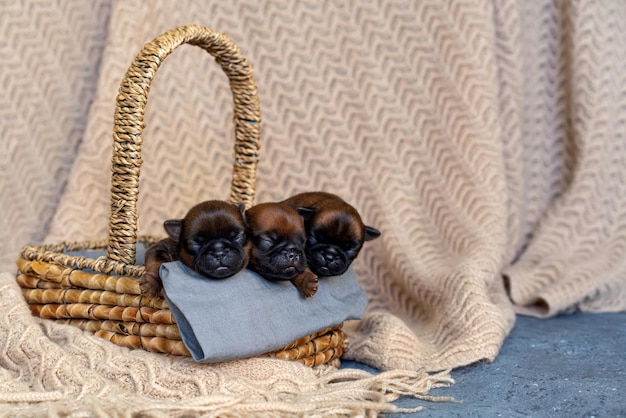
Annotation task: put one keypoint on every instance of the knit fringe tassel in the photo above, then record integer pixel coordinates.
(345, 392)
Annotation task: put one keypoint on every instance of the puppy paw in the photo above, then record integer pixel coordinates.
(150, 284)
(306, 283)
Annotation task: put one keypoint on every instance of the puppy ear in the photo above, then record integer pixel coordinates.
(241, 207)
(306, 213)
(173, 227)
(371, 233)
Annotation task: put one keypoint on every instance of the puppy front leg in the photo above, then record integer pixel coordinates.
(306, 282)
(162, 252)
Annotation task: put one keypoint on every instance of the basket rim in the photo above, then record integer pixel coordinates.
(59, 254)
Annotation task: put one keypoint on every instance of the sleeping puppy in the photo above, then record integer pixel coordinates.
(335, 232)
(211, 239)
(278, 238)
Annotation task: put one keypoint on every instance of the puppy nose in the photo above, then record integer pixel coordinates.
(293, 254)
(219, 250)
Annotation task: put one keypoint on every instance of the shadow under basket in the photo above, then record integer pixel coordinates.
(101, 293)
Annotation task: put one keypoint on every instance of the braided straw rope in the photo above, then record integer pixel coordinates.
(102, 294)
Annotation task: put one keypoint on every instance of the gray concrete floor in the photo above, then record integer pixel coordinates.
(568, 366)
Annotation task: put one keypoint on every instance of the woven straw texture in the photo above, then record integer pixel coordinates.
(485, 139)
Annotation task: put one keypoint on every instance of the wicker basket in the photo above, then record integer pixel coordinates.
(102, 294)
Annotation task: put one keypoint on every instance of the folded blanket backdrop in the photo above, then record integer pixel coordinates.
(482, 137)
(102, 294)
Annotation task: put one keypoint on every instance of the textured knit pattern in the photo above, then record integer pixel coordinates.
(485, 139)
(49, 66)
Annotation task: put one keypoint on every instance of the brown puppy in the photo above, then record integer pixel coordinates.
(211, 239)
(335, 232)
(278, 238)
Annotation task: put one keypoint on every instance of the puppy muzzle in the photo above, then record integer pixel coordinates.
(220, 260)
(327, 260)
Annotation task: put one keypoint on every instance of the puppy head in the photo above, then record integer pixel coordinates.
(335, 232)
(212, 239)
(278, 237)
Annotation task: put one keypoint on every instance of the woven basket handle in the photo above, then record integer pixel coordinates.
(129, 124)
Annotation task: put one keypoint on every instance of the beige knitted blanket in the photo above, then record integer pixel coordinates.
(485, 139)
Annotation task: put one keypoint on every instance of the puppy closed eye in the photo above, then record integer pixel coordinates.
(264, 243)
(315, 238)
(193, 246)
(239, 238)
(350, 246)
